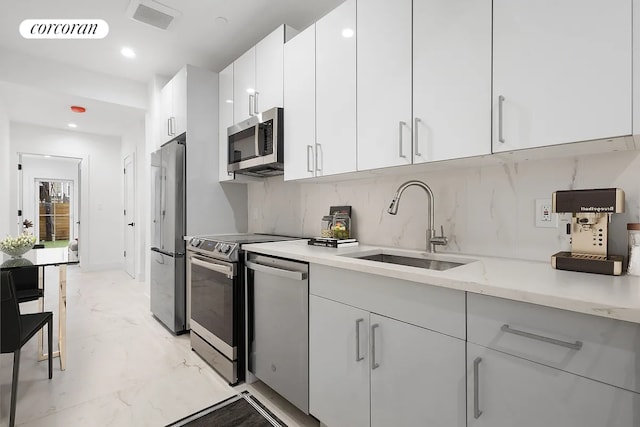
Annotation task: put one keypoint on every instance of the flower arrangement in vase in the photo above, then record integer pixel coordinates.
(17, 246)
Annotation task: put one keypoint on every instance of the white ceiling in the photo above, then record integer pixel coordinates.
(197, 38)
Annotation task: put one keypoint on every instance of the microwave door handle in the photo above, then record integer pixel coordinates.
(257, 139)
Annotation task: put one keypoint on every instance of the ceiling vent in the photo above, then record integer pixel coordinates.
(152, 13)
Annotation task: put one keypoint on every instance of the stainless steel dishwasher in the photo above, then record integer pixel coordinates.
(278, 325)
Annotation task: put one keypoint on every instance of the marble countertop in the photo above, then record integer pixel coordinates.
(616, 297)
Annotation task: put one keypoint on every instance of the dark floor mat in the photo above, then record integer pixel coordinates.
(243, 410)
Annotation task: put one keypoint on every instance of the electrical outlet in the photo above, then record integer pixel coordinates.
(544, 217)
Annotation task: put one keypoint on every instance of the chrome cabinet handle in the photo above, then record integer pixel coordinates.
(251, 100)
(476, 388)
(374, 364)
(169, 126)
(318, 153)
(173, 126)
(400, 124)
(573, 346)
(255, 103)
(358, 357)
(309, 167)
(500, 108)
(416, 121)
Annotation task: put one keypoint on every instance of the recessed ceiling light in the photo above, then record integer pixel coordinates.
(229, 101)
(72, 125)
(347, 33)
(221, 20)
(127, 52)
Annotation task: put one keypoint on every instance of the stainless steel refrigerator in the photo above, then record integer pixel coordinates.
(168, 283)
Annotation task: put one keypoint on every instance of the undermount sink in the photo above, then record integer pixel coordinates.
(411, 261)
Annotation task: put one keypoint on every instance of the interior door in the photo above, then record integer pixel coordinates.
(129, 215)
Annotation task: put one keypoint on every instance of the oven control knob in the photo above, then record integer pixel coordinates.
(225, 248)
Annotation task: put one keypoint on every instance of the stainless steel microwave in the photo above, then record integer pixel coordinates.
(255, 145)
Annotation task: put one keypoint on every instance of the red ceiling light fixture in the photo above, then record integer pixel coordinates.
(78, 109)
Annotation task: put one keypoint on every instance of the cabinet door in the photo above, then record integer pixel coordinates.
(300, 105)
(179, 102)
(338, 363)
(336, 90)
(417, 376)
(225, 119)
(451, 79)
(506, 391)
(269, 71)
(166, 111)
(384, 83)
(244, 85)
(561, 71)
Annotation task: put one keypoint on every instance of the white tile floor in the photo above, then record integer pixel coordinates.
(123, 367)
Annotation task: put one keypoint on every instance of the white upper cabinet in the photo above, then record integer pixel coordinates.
(269, 70)
(336, 91)
(561, 71)
(173, 106)
(384, 83)
(451, 79)
(244, 86)
(225, 119)
(300, 106)
(320, 97)
(258, 76)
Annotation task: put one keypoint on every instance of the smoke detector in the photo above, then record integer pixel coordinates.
(153, 13)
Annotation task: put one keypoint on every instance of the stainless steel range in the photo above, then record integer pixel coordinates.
(215, 278)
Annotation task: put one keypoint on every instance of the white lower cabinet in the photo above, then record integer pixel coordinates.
(508, 391)
(338, 363)
(367, 369)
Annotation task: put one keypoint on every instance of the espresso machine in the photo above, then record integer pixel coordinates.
(591, 214)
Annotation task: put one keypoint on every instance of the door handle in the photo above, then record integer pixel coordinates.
(374, 364)
(500, 108)
(132, 224)
(309, 168)
(400, 153)
(476, 388)
(255, 103)
(251, 99)
(416, 121)
(572, 345)
(319, 153)
(358, 356)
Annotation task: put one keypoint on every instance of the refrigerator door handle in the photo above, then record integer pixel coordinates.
(160, 251)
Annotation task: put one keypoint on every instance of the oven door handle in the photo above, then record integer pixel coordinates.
(288, 274)
(220, 268)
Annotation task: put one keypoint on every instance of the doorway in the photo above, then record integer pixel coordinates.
(54, 212)
(49, 199)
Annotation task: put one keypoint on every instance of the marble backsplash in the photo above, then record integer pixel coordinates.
(487, 210)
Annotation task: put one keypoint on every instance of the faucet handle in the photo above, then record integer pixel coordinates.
(440, 240)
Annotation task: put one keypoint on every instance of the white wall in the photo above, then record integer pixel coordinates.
(101, 240)
(47, 168)
(485, 210)
(133, 144)
(5, 174)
